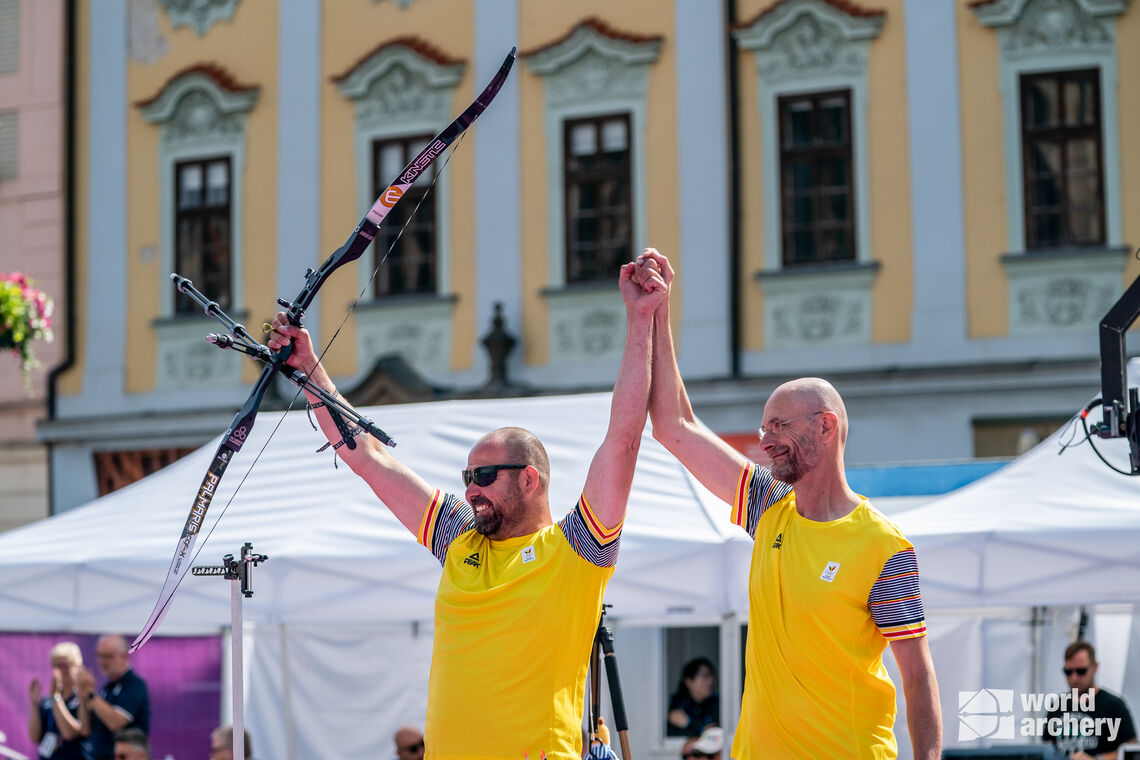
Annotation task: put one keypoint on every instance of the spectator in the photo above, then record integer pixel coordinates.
(695, 704)
(54, 722)
(707, 746)
(409, 743)
(222, 743)
(121, 703)
(1069, 727)
(131, 744)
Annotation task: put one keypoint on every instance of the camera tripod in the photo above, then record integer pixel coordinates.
(603, 649)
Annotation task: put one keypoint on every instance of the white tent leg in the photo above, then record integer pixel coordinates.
(237, 635)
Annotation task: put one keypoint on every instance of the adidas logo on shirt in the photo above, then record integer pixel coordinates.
(779, 541)
(472, 559)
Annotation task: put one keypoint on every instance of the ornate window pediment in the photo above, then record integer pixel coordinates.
(594, 60)
(1030, 27)
(403, 80)
(201, 103)
(798, 37)
(199, 14)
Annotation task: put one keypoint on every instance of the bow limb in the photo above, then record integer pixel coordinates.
(231, 444)
(352, 249)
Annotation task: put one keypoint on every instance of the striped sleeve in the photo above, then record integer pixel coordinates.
(895, 600)
(591, 540)
(756, 490)
(446, 517)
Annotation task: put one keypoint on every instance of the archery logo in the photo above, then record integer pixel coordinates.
(391, 196)
(985, 714)
(237, 439)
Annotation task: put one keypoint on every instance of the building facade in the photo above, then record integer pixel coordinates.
(932, 204)
(927, 203)
(33, 106)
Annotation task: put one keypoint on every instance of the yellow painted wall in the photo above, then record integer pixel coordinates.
(351, 31)
(888, 140)
(246, 48)
(1128, 116)
(541, 23)
(983, 177)
(750, 166)
(888, 149)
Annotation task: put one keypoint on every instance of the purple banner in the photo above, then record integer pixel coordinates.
(183, 677)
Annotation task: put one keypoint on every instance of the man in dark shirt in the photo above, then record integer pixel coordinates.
(123, 701)
(1090, 723)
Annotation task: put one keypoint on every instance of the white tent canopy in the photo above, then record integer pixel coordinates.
(1050, 528)
(336, 555)
(344, 604)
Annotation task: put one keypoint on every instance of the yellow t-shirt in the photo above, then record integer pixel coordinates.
(824, 600)
(514, 624)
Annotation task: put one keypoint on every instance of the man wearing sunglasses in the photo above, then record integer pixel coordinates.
(520, 596)
(1090, 723)
(832, 581)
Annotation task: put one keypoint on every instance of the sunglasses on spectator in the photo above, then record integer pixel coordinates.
(1071, 671)
(696, 755)
(485, 475)
(412, 747)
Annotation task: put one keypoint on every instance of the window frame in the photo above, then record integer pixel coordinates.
(595, 176)
(202, 214)
(1061, 134)
(408, 213)
(815, 155)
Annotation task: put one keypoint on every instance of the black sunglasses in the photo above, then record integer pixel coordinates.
(485, 475)
(1071, 671)
(695, 755)
(413, 747)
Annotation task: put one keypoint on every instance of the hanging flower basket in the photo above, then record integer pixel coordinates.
(25, 316)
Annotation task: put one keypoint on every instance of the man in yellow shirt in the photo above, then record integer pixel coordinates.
(832, 581)
(520, 596)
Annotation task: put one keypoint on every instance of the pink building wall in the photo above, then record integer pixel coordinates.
(32, 241)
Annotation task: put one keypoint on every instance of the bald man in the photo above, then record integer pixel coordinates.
(409, 743)
(832, 581)
(122, 703)
(520, 595)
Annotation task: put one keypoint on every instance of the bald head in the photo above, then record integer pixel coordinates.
(409, 743)
(807, 395)
(111, 654)
(522, 447)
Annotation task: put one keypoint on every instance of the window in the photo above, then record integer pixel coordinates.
(686, 712)
(411, 265)
(599, 219)
(202, 226)
(1012, 437)
(1062, 159)
(115, 469)
(815, 178)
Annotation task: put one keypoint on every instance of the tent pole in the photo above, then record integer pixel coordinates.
(238, 700)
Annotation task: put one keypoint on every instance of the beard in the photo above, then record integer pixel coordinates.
(500, 516)
(801, 457)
